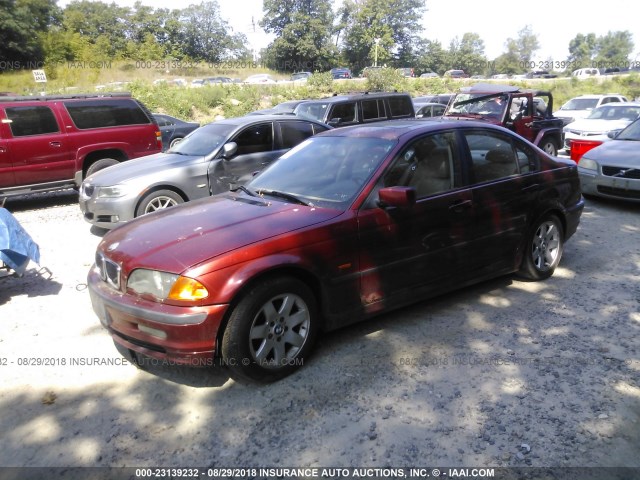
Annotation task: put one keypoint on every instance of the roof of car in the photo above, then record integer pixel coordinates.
(490, 88)
(246, 120)
(394, 129)
(356, 96)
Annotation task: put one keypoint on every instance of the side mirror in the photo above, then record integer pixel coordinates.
(229, 150)
(400, 197)
(613, 134)
(334, 122)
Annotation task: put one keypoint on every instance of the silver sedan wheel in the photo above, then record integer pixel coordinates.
(279, 331)
(545, 247)
(160, 203)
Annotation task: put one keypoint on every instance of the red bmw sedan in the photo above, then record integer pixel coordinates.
(351, 223)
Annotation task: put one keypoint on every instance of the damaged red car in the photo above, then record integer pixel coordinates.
(351, 223)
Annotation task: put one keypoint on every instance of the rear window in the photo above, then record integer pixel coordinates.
(115, 112)
(401, 106)
(26, 121)
(373, 110)
(294, 133)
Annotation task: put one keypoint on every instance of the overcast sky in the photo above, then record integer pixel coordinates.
(555, 22)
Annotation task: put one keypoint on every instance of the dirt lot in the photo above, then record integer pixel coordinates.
(506, 373)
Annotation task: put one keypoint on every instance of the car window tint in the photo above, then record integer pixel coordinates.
(426, 165)
(346, 112)
(256, 138)
(295, 132)
(105, 113)
(373, 110)
(492, 155)
(27, 121)
(400, 106)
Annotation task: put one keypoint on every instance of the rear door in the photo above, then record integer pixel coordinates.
(7, 179)
(38, 148)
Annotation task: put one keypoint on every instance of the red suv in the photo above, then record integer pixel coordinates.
(53, 142)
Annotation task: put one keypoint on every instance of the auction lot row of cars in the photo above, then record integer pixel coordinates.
(357, 216)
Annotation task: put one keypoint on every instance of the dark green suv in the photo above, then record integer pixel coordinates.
(343, 110)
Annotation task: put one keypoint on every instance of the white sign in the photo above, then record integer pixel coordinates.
(39, 76)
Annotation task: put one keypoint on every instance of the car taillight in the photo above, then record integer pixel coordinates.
(159, 139)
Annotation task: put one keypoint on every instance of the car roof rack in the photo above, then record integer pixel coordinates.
(44, 98)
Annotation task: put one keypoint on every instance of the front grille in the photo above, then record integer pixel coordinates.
(109, 270)
(622, 172)
(619, 192)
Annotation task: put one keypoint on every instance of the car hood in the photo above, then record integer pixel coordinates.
(181, 237)
(588, 125)
(132, 169)
(620, 153)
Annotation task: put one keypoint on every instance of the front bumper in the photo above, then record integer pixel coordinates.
(106, 212)
(596, 137)
(595, 183)
(181, 335)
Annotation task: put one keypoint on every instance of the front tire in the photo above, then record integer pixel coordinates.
(543, 249)
(158, 200)
(270, 331)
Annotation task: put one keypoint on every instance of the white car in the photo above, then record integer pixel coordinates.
(260, 78)
(581, 107)
(601, 121)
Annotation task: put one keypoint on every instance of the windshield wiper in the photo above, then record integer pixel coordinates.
(286, 196)
(245, 190)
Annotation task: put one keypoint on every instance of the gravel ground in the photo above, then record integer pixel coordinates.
(507, 373)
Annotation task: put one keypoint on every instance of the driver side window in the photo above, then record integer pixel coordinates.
(426, 165)
(254, 139)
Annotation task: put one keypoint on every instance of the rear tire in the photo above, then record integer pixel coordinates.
(100, 165)
(158, 200)
(174, 142)
(548, 145)
(543, 250)
(270, 331)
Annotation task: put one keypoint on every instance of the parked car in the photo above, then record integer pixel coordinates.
(210, 160)
(366, 71)
(173, 129)
(581, 107)
(612, 117)
(260, 78)
(429, 75)
(612, 169)
(300, 76)
(540, 74)
(53, 142)
(340, 73)
(343, 110)
(352, 223)
(406, 72)
(216, 80)
(284, 108)
(442, 98)
(455, 74)
(525, 111)
(585, 73)
(429, 110)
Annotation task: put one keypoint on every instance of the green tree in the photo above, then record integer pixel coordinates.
(22, 25)
(431, 57)
(582, 49)
(468, 54)
(303, 29)
(614, 49)
(394, 24)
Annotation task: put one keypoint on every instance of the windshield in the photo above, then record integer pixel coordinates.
(580, 104)
(312, 110)
(325, 171)
(632, 132)
(478, 104)
(615, 112)
(204, 140)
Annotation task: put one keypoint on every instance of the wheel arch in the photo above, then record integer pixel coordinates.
(293, 271)
(96, 155)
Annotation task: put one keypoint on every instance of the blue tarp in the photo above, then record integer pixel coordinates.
(16, 246)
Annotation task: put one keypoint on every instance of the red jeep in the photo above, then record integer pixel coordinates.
(526, 112)
(53, 142)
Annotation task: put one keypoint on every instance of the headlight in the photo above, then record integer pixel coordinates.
(588, 164)
(112, 192)
(163, 285)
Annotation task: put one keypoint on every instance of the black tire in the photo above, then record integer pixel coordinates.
(548, 145)
(543, 250)
(158, 200)
(174, 142)
(100, 164)
(270, 331)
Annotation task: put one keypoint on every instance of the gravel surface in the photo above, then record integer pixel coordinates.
(506, 373)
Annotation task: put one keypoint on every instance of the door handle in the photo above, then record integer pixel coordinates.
(458, 207)
(55, 144)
